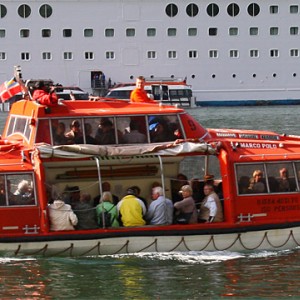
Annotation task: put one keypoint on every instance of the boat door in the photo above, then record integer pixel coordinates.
(160, 92)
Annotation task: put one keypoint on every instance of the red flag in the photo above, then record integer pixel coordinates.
(9, 88)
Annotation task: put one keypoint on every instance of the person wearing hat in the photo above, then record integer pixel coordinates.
(211, 208)
(75, 132)
(186, 209)
(131, 210)
(44, 95)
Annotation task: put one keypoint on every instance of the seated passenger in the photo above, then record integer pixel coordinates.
(134, 136)
(61, 216)
(186, 209)
(211, 209)
(23, 194)
(88, 137)
(74, 133)
(106, 133)
(284, 183)
(257, 184)
(85, 212)
(59, 137)
(107, 213)
(106, 187)
(176, 185)
(131, 210)
(160, 211)
(160, 132)
(137, 193)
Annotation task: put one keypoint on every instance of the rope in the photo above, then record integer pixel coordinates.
(154, 242)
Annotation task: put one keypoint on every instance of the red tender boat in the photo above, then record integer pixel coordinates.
(259, 217)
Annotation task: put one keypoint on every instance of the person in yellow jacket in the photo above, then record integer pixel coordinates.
(131, 210)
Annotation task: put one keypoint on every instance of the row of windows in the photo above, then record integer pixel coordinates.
(171, 54)
(151, 32)
(171, 10)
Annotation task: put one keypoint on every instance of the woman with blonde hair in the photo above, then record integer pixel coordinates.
(107, 213)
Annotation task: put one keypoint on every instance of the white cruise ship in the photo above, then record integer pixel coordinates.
(232, 53)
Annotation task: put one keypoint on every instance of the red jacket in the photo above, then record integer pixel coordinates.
(45, 98)
(138, 95)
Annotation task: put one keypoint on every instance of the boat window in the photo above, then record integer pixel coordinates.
(105, 134)
(164, 128)
(132, 129)
(17, 190)
(119, 94)
(267, 178)
(11, 126)
(43, 132)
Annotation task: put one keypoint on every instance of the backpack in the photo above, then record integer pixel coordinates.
(108, 218)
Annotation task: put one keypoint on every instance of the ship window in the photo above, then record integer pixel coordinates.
(45, 11)
(151, 32)
(213, 53)
(212, 31)
(294, 9)
(2, 33)
(294, 30)
(192, 31)
(2, 55)
(253, 31)
(172, 54)
(130, 32)
(253, 53)
(3, 11)
(192, 10)
(46, 56)
(193, 53)
(274, 53)
(68, 55)
(171, 10)
(24, 33)
(89, 55)
(274, 31)
(151, 54)
(164, 128)
(67, 32)
(172, 31)
(24, 11)
(110, 55)
(233, 9)
(88, 32)
(253, 9)
(233, 53)
(25, 56)
(46, 33)
(132, 130)
(274, 9)
(109, 32)
(294, 52)
(212, 10)
(233, 31)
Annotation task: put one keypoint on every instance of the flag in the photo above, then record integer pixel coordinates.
(9, 88)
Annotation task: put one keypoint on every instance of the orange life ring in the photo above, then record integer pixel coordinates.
(6, 145)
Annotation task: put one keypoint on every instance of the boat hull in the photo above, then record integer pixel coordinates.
(122, 243)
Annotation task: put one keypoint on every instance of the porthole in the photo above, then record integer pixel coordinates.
(253, 9)
(192, 10)
(213, 75)
(254, 75)
(131, 77)
(24, 11)
(171, 10)
(233, 9)
(274, 75)
(45, 11)
(3, 11)
(193, 76)
(294, 74)
(233, 75)
(212, 9)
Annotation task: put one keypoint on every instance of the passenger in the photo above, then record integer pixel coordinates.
(88, 137)
(211, 208)
(160, 132)
(134, 136)
(106, 133)
(23, 193)
(106, 187)
(244, 185)
(210, 179)
(176, 185)
(137, 193)
(85, 212)
(44, 94)
(72, 195)
(131, 210)
(139, 94)
(161, 208)
(107, 206)
(284, 181)
(61, 216)
(59, 137)
(186, 209)
(74, 133)
(257, 184)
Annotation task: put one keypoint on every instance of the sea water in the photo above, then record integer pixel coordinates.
(189, 275)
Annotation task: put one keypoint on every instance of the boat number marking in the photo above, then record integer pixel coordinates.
(279, 205)
(192, 125)
(258, 145)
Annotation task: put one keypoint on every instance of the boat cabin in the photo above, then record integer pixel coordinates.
(36, 166)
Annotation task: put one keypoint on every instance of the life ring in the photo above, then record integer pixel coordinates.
(6, 145)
